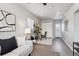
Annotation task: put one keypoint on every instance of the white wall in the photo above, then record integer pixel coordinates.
(76, 27)
(21, 15)
(70, 35)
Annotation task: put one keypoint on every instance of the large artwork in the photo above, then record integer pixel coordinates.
(7, 21)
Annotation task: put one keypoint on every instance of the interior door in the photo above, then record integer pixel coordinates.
(57, 29)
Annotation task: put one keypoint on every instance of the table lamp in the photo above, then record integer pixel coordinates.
(27, 33)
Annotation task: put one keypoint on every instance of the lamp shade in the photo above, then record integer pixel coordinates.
(27, 30)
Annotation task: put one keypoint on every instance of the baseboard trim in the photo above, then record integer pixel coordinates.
(67, 44)
(49, 37)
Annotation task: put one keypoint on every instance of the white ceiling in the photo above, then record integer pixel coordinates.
(51, 10)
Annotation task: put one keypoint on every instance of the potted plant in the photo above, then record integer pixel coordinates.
(37, 31)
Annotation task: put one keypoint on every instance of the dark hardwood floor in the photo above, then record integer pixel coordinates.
(57, 48)
(60, 46)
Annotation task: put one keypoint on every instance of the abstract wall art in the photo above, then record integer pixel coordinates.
(7, 21)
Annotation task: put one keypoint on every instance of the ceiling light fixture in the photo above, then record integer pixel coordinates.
(47, 5)
(44, 4)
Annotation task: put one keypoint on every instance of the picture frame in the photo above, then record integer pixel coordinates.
(7, 22)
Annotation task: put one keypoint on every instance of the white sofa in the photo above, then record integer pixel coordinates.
(23, 50)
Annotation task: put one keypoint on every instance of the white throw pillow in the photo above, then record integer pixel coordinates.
(20, 40)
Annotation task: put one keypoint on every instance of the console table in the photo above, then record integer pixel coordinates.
(75, 47)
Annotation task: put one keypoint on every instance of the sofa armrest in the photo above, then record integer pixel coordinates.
(29, 42)
(24, 50)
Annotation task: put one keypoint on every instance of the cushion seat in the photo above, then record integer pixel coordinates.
(20, 51)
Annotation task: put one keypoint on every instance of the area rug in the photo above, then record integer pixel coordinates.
(43, 50)
(47, 41)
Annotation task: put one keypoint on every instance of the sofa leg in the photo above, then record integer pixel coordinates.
(30, 54)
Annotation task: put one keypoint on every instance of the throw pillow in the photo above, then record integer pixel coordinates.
(7, 45)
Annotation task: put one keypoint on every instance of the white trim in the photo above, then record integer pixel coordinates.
(69, 45)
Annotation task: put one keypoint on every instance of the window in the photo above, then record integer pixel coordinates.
(30, 23)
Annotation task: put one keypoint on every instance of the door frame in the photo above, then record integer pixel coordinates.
(54, 22)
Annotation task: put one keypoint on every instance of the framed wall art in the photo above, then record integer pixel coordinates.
(7, 21)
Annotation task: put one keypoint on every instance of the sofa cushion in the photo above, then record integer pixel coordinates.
(8, 45)
(20, 40)
(23, 50)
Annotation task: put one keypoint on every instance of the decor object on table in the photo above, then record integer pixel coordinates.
(32, 38)
(7, 21)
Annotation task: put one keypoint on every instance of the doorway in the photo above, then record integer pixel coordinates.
(57, 28)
